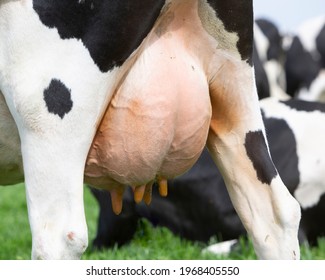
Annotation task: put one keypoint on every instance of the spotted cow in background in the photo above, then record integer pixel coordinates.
(118, 93)
(305, 61)
(297, 150)
(269, 59)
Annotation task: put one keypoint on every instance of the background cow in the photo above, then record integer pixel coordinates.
(269, 59)
(305, 61)
(297, 149)
(293, 64)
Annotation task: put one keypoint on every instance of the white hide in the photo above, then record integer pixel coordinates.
(262, 43)
(276, 77)
(308, 128)
(221, 248)
(308, 31)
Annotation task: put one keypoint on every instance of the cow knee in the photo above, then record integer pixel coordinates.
(71, 245)
(72, 251)
(78, 242)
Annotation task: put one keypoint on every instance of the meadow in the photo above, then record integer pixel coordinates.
(148, 244)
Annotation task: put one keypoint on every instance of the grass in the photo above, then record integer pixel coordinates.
(148, 243)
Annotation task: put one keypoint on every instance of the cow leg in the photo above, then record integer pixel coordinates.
(56, 94)
(56, 129)
(53, 165)
(54, 150)
(237, 143)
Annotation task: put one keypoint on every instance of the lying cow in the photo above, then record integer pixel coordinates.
(176, 75)
(290, 126)
(305, 61)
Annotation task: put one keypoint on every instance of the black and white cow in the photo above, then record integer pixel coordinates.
(305, 61)
(269, 58)
(297, 149)
(175, 74)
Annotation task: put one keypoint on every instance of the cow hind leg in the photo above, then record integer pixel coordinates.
(237, 144)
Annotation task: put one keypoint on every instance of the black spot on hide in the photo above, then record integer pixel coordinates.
(57, 98)
(306, 106)
(258, 153)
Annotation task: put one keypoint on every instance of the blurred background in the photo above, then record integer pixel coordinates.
(288, 14)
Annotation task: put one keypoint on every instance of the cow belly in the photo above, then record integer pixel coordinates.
(156, 124)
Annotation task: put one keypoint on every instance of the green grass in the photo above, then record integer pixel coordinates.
(148, 243)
